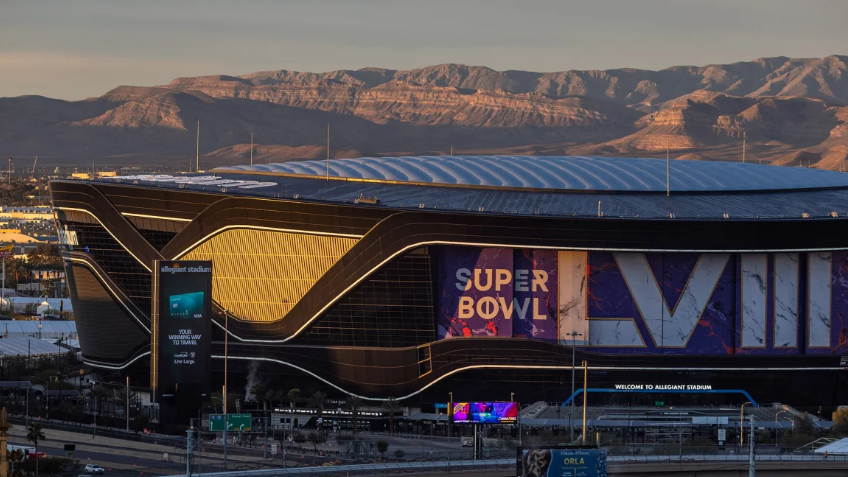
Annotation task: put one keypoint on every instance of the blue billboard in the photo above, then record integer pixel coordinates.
(562, 462)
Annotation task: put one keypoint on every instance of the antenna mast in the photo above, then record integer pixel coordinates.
(197, 151)
(667, 172)
(328, 152)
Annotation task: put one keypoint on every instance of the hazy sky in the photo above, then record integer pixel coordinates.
(74, 49)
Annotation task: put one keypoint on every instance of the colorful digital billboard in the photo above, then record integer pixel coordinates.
(485, 412)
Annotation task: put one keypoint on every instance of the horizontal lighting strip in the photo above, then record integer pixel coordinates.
(256, 227)
(506, 366)
(101, 364)
(145, 216)
(110, 233)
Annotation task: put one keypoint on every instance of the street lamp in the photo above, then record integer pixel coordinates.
(450, 414)
(224, 401)
(574, 336)
(742, 423)
(775, 425)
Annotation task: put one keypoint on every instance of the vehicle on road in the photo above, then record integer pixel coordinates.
(94, 469)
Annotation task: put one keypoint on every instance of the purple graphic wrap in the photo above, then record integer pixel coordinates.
(475, 292)
(534, 313)
(839, 309)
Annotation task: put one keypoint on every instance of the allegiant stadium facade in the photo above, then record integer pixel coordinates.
(413, 277)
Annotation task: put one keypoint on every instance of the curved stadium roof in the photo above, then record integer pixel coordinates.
(575, 173)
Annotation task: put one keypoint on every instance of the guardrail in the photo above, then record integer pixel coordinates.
(632, 459)
(388, 467)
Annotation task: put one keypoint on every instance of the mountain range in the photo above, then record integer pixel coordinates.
(789, 111)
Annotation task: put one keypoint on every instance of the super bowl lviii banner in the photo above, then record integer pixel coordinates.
(497, 292)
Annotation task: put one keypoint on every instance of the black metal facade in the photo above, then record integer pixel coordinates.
(368, 325)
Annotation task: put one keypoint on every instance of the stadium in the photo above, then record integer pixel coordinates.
(416, 277)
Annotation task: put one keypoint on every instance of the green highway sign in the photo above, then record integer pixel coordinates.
(235, 422)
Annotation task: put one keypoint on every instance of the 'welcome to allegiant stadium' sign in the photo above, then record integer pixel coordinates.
(664, 387)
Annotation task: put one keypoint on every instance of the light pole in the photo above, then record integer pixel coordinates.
(742, 423)
(775, 426)
(585, 397)
(226, 349)
(128, 404)
(450, 414)
(574, 336)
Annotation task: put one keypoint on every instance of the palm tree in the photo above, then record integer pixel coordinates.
(316, 401)
(16, 457)
(354, 403)
(293, 395)
(98, 392)
(35, 434)
(391, 407)
(274, 396)
(258, 391)
(122, 397)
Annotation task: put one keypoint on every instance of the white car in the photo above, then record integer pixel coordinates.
(94, 469)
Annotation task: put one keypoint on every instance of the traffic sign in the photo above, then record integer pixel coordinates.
(273, 449)
(235, 422)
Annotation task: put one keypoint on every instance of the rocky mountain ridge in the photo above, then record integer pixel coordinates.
(790, 111)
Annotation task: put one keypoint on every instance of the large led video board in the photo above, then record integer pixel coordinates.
(485, 412)
(181, 326)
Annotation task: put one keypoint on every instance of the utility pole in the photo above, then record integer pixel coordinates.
(197, 150)
(226, 349)
(188, 453)
(574, 336)
(585, 396)
(751, 465)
